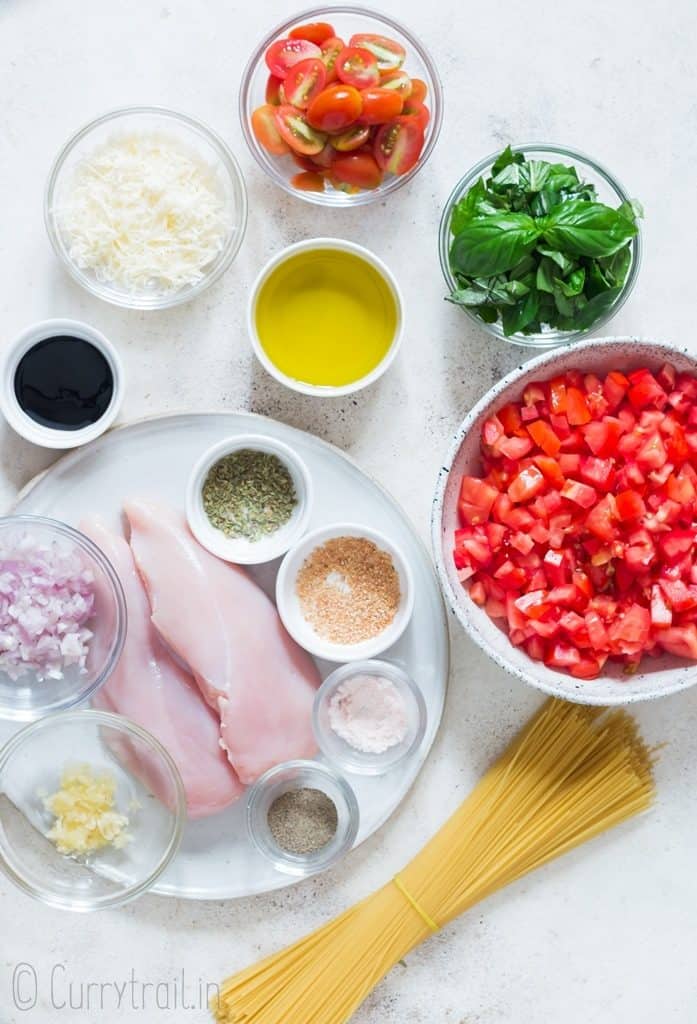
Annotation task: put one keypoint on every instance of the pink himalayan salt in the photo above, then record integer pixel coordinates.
(369, 713)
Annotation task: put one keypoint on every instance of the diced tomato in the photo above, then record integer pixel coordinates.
(615, 387)
(476, 500)
(526, 485)
(645, 391)
(583, 528)
(544, 437)
(602, 436)
(601, 519)
(580, 494)
(629, 505)
(679, 640)
(577, 411)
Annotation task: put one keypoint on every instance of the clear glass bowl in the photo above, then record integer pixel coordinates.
(197, 138)
(610, 191)
(29, 696)
(346, 20)
(338, 751)
(149, 791)
(302, 775)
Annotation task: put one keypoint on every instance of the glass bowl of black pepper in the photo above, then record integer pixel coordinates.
(302, 816)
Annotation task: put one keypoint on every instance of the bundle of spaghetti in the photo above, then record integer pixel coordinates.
(572, 773)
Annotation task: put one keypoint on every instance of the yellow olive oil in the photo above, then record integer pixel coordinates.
(326, 317)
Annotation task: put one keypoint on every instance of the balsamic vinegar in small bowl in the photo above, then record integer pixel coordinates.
(61, 384)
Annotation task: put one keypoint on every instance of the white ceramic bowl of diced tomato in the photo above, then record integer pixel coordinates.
(570, 557)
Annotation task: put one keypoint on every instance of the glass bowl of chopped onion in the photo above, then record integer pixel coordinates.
(62, 617)
(92, 810)
(146, 207)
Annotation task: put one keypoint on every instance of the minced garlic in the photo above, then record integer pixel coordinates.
(84, 811)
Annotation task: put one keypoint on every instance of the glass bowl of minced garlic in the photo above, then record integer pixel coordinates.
(92, 810)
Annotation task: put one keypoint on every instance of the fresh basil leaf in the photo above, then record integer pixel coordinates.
(574, 285)
(468, 296)
(587, 229)
(595, 307)
(522, 269)
(631, 209)
(523, 314)
(534, 175)
(565, 305)
(615, 267)
(492, 245)
(508, 175)
(466, 208)
(504, 159)
(565, 264)
(546, 273)
(489, 314)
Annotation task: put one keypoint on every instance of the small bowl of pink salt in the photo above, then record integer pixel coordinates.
(62, 617)
(369, 717)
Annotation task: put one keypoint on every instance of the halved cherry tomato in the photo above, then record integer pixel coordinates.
(352, 138)
(297, 132)
(314, 32)
(357, 67)
(380, 105)
(359, 169)
(331, 48)
(282, 55)
(335, 109)
(273, 91)
(399, 81)
(308, 181)
(266, 130)
(419, 90)
(419, 111)
(388, 52)
(304, 82)
(398, 145)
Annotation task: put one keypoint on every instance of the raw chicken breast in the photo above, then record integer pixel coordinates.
(150, 688)
(225, 628)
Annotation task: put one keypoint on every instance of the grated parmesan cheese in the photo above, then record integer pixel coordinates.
(144, 213)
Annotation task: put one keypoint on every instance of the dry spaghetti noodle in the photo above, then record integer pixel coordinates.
(572, 773)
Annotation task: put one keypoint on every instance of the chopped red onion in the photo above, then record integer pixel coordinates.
(47, 597)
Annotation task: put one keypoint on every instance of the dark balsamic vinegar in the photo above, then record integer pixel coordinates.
(64, 383)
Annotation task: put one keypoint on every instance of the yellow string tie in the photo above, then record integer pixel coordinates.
(426, 918)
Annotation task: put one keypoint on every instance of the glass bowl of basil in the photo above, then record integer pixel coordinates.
(540, 244)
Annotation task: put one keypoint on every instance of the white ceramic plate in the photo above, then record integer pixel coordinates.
(658, 677)
(153, 459)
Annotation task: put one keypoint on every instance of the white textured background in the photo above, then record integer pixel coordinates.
(607, 936)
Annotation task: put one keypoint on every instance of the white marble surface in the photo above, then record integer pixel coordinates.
(608, 935)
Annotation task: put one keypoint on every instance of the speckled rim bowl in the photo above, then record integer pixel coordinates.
(312, 245)
(347, 20)
(197, 136)
(609, 191)
(239, 549)
(657, 677)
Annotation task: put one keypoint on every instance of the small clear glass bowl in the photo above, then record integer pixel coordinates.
(347, 20)
(347, 757)
(149, 791)
(30, 697)
(300, 774)
(194, 136)
(610, 191)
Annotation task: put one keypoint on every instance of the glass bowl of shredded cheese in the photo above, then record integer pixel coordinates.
(146, 207)
(92, 810)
